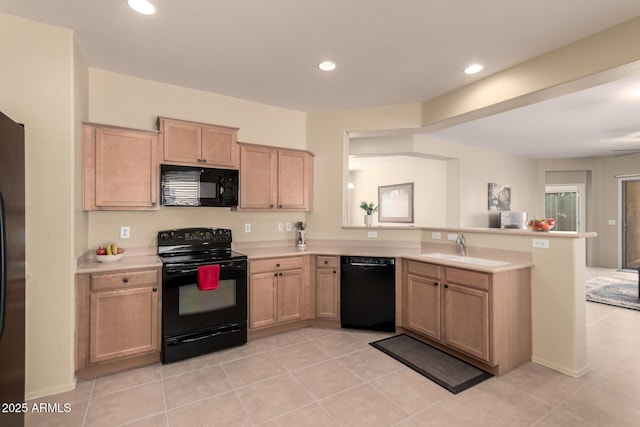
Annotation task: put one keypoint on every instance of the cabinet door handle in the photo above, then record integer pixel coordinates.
(153, 203)
(326, 262)
(277, 265)
(204, 160)
(275, 274)
(334, 272)
(270, 206)
(155, 289)
(279, 206)
(199, 160)
(436, 283)
(280, 274)
(446, 286)
(125, 280)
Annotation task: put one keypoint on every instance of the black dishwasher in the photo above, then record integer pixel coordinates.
(368, 293)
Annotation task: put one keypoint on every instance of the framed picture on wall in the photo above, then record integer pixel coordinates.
(395, 203)
(499, 197)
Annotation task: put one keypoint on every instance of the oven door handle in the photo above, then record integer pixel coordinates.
(207, 336)
(182, 271)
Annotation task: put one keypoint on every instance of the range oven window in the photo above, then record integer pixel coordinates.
(192, 300)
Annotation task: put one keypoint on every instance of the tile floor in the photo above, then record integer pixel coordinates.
(319, 377)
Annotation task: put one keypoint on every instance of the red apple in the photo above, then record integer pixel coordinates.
(101, 251)
(551, 222)
(120, 250)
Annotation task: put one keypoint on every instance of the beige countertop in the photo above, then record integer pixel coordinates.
(514, 261)
(136, 258)
(132, 259)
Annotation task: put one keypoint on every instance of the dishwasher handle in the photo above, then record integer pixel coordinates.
(368, 261)
(362, 264)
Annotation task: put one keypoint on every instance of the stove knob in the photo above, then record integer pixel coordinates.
(164, 236)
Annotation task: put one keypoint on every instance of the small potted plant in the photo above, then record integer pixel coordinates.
(301, 239)
(369, 209)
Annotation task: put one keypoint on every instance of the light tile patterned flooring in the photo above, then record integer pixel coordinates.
(319, 377)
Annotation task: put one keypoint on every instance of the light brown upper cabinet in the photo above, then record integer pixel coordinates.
(191, 143)
(274, 178)
(120, 168)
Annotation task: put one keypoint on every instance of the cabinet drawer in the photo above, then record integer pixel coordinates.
(327, 261)
(102, 281)
(274, 264)
(470, 278)
(424, 269)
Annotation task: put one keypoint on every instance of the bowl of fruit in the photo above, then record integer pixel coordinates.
(109, 253)
(544, 224)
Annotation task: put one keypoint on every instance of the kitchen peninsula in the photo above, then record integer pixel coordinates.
(557, 278)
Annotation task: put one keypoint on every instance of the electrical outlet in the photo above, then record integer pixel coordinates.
(288, 226)
(452, 237)
(372, 234)
(612, 222)
(247, 228)
(125, 232)
(540, 243)
(280, 226)
(436, 236)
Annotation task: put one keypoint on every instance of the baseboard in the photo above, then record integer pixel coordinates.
(50, 391)
(575, 373)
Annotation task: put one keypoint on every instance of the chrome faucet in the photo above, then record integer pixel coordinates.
(460, 240)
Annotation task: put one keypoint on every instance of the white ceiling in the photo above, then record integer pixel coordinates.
(387, 52)
(594, 122)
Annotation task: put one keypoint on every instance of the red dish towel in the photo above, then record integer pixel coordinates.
(208, 276)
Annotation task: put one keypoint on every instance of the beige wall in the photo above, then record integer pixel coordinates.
(429, 178)
(476, 168)
(37, 85)
(327, 138)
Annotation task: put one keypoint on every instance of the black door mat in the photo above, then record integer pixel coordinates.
(445, 370)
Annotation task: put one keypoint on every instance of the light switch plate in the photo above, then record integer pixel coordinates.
(247, 228)
(125, 232)
(288, 226)
(372, 234)
(436, 235)
(280, 226)
(452, 237)
(612, 222)
(540, 243)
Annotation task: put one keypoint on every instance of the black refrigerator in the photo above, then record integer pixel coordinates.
(12, 272)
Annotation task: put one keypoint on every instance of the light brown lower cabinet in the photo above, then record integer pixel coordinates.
(276, 291)
(117, 320)
(481, 315)
(327, 287)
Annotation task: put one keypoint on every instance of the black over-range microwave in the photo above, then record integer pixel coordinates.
(197, 186)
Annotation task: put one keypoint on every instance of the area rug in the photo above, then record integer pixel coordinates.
(445, 370)
(618, 292)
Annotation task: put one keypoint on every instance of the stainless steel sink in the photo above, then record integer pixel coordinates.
(466, 260)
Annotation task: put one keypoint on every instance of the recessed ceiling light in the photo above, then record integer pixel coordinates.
(142, 6)
(472, 69)
(327, 66)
